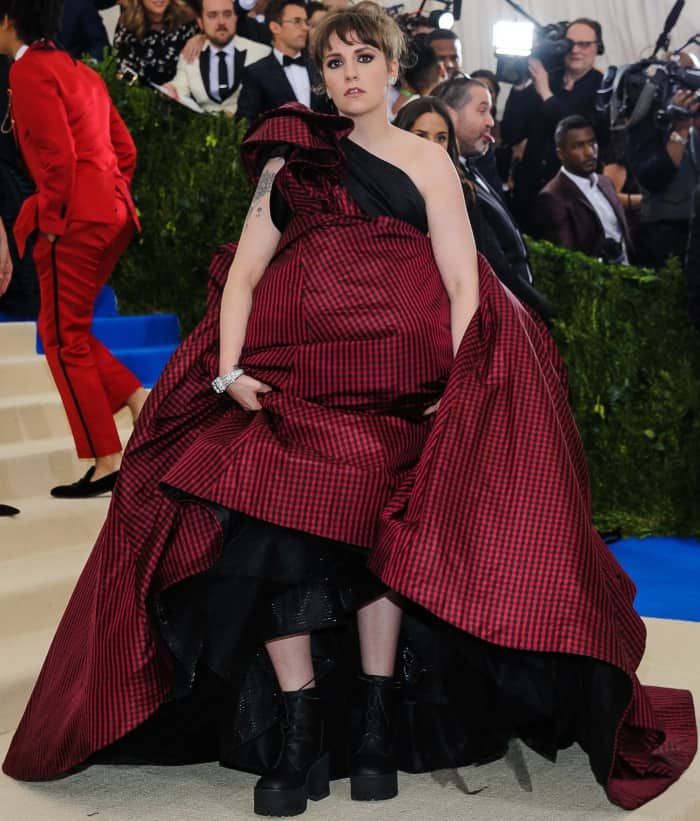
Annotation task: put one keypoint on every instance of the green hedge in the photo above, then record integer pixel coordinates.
(192, 195)
(633, 359)
(634, 368)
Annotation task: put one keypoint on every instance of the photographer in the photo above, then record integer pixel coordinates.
(667, 164)
(534, 108)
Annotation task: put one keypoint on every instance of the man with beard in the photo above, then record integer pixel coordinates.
(214, 81)
(469, 103)
(580, 209)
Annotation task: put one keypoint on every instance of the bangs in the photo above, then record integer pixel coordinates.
(364, 24)
(351, 34)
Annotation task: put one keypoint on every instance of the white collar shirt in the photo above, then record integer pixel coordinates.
(601, 205)
(21, 51)
(298, 77)
(229, 53)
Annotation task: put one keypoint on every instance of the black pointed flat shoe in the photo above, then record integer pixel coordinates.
(8, 510)
(84, 488)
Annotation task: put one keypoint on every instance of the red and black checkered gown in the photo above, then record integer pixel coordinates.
(482, 516)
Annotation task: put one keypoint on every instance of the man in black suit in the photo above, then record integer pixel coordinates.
(283, 76)
(82, 30)
(19, 283)
(580, 209)
(469, 103)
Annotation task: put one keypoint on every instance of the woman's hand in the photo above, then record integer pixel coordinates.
(245, 391)
(193, 47)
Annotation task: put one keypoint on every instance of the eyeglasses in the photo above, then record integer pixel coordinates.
(583, 43)
(297, 21)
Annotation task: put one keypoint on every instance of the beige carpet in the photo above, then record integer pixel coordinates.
(41, 554)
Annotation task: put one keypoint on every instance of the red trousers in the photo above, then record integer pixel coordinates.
(93, 384)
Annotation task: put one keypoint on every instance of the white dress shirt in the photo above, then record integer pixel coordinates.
(214, 67)
(21, 51)
(298, 77)
(601, 205)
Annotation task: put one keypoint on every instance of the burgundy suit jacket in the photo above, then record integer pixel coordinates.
(74, 143)
(565, 217)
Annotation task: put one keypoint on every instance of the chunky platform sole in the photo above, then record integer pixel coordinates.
(283, 803)
(379, 787)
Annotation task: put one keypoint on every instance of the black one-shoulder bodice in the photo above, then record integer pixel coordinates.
(379, 188)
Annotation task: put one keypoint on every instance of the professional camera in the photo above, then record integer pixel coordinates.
(443, 18)
(647, 88)
(515, 43)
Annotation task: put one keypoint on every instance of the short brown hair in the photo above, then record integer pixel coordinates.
(368, 22)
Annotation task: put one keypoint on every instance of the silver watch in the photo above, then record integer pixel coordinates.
(222, 382)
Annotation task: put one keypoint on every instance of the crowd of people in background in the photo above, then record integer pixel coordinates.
(550, 167)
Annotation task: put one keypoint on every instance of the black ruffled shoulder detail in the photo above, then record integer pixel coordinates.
(315, 136)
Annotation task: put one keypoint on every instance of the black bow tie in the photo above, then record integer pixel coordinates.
(293, 61)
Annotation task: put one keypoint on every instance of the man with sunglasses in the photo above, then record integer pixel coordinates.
(536, 106)
(283, 76)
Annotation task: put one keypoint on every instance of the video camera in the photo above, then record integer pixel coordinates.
(634, 91)
(443, 18)
(516, 42)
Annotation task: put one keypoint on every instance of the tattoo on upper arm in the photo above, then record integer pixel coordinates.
(265, 183)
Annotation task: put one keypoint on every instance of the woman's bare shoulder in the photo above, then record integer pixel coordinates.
(425, 162)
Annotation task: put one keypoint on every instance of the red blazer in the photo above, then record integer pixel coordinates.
(74, 143)
(565, 217)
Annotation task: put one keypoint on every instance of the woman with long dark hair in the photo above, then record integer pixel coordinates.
(362, 461)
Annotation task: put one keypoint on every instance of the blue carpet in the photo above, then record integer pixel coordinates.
(667, 574)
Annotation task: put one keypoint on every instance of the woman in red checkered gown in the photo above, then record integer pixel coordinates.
(215, 616)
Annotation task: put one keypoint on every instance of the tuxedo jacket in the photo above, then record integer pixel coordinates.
(565, 217)
(265, 86)
(192, 79)
(74, 143)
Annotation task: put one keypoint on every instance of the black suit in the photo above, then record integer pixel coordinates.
(251, 28)
(265, 86)
(497, 237)
(238, 69)
(21, 300)
(82, 30)
(565, 217)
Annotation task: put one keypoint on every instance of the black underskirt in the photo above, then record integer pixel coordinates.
(462, 698)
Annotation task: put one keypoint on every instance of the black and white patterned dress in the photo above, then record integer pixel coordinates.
(154, 56)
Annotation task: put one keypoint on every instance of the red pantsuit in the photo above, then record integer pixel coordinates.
(82, 159)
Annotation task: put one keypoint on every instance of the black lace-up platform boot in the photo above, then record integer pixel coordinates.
(301, 772)
(373, 763)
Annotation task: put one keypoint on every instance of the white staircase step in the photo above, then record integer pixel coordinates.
(34, 590)
(22, 656)
(39, 416)
(46, 524)
(33, 467)
(17, 338)
(24, 374)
